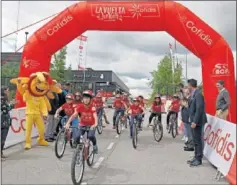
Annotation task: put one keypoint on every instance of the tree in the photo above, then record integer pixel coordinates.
(57, 68)
(164, 79)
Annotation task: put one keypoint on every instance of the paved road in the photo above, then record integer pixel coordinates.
(116, 163)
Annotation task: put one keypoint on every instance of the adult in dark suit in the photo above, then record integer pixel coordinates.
(198, 118)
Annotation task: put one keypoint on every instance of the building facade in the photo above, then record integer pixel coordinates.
(95, 80)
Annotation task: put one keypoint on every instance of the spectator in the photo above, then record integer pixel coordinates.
(5, 116)
(51, 121)
(222, 101)
(66, 89)
(197, 118)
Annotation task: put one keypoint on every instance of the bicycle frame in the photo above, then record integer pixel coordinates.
(84, 143)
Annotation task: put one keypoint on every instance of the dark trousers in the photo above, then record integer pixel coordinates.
(198, 142)
(131, 123)
(91, 135)
(4, 132)
(116, 112)
(153, 114)
(168, 116)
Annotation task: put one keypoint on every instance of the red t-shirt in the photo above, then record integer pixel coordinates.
(68, 108)
(98, 102)
(118, 103)
(126, 101)
(86, 114)
(142, 105)
(175, 106)
(155, 107)
(135, 109)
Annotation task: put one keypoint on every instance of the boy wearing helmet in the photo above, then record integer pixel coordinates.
(142, 110)
(173, 109)
(134, 110)
(88, 118)
(68, 108)
(78, 97)
(119, 106)
(156, 108)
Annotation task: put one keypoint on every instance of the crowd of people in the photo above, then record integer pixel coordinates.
(84, 109)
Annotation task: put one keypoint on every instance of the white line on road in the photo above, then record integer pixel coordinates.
(117, 136)
(97, 164)
(110, 146)
(84, 183)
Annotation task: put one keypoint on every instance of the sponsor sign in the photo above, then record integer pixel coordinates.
(190, 25)
(118, 12)
(16, 132)
(220, 143)
(221, 70)
(56, 27)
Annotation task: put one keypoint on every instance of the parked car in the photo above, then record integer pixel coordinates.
(109, 102)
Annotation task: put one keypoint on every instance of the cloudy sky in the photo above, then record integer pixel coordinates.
(140, 52)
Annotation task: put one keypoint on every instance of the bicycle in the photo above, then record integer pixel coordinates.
(100, 122)
(134, 133)
(157, 128)
(173, 126)
(64, 136)
(82, 153)
(120, 121)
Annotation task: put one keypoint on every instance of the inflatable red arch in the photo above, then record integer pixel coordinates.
(174, 18)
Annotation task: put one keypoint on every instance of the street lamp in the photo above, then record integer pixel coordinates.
(26, 33)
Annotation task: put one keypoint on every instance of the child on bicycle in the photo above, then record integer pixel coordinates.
(134, 110)
(142, 109)
(68, 108)
(88, 118)
(173, 109)
(119, 107)
(156, 109)
(99, 105)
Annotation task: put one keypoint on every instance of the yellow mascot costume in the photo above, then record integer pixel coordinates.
(35, 91)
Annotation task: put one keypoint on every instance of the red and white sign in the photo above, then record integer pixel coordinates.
(221, 70)
(16, 132)
(220, 143)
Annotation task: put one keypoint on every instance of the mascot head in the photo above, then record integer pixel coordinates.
(38, 84)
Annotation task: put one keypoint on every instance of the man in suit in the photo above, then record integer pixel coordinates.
(198, 118)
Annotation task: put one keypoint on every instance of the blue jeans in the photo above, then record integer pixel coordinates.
(131, 123)
(116, 112)
(74, 124)
(91, 135)
(186, 129)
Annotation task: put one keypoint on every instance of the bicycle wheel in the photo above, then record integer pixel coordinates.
(174, 129)
(77, 161)
(59, 148)
(118, 125)
(157, 130)
(134, 136)
(99, 126)
(91, 155)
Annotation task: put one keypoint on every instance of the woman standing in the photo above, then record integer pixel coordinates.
(5, 116)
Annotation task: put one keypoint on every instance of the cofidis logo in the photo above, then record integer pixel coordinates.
(219, 141)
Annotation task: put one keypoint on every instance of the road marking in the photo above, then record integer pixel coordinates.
(97, 164)
(110, 146)
(117, 136)
(84, 183)
(122, 128)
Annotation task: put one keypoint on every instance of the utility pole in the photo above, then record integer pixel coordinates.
(186, 67)
(26, 33)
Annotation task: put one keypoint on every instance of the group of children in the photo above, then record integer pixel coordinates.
(84, 110)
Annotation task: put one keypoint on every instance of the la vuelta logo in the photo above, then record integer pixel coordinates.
(219, 141)
(55, 28)
(197, 31)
